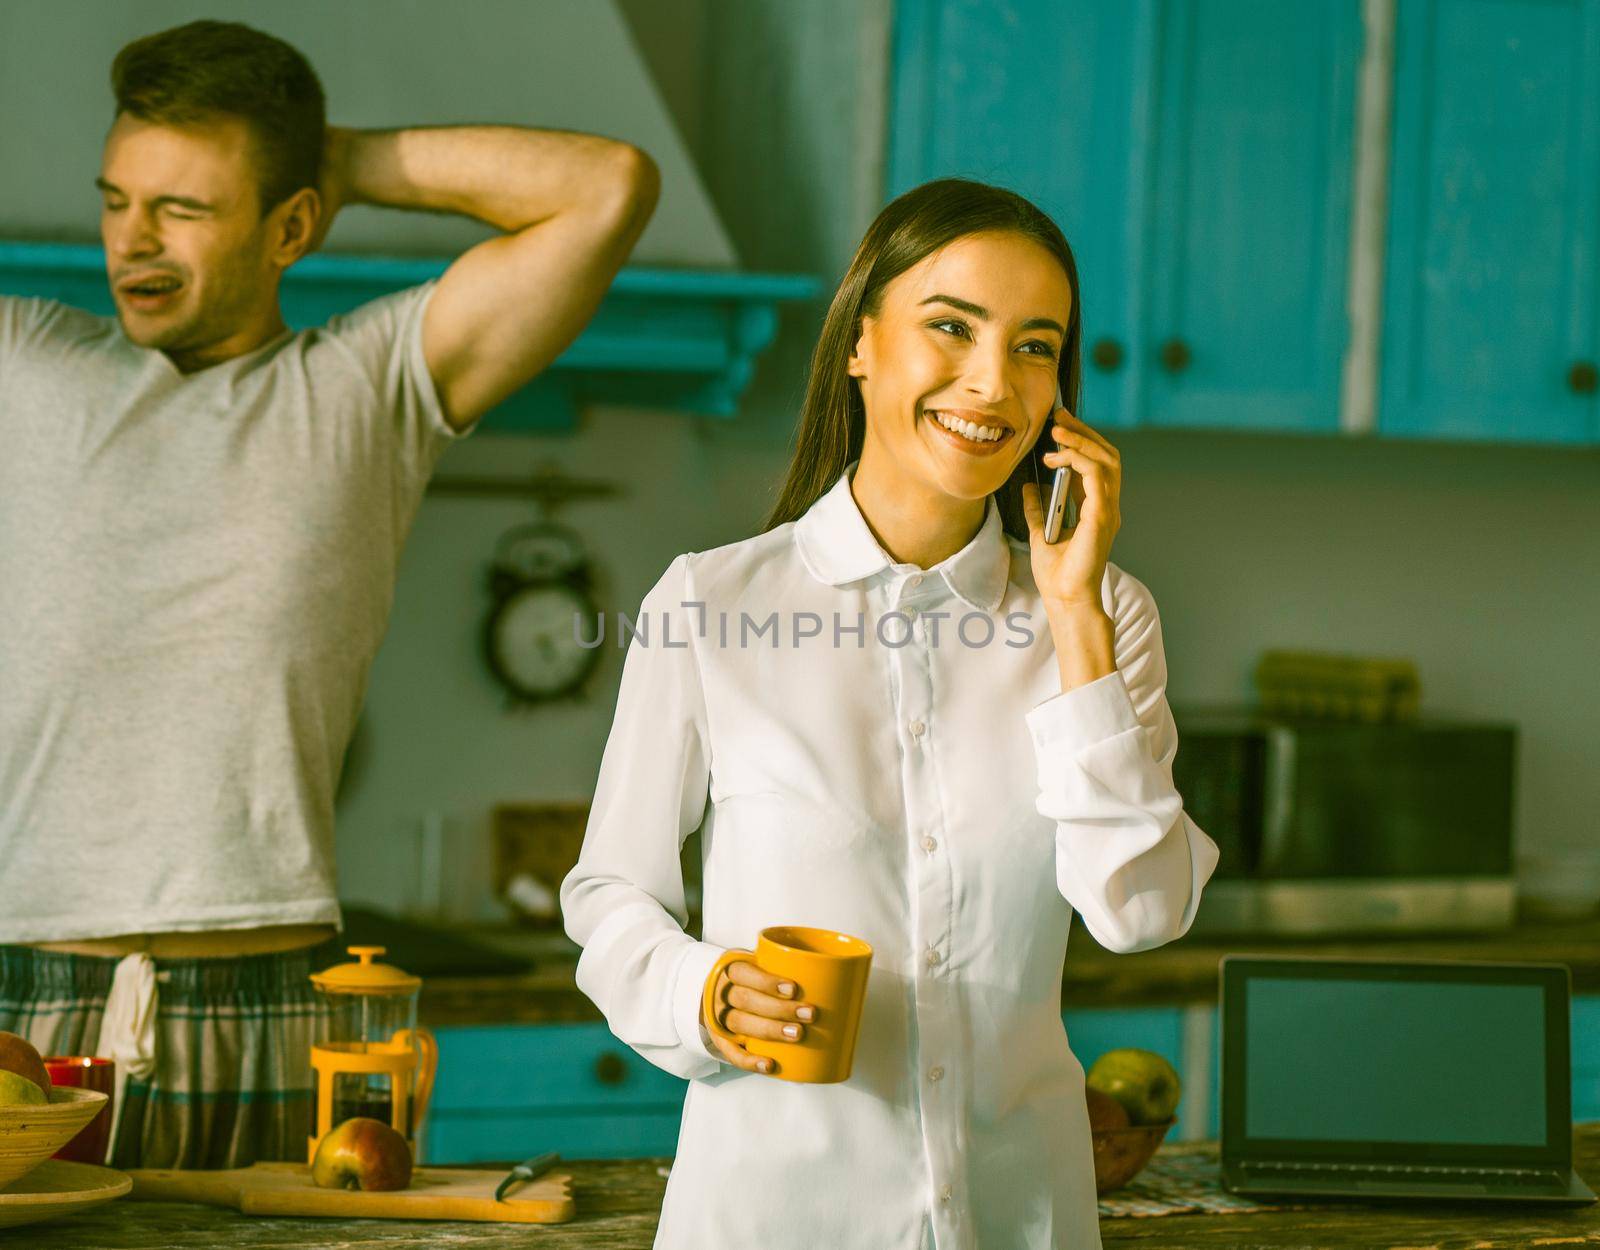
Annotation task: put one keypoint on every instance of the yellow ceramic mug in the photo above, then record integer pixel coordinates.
(830, 971)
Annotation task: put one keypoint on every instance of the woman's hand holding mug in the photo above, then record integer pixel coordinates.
(756, 1003)
(791, 1008)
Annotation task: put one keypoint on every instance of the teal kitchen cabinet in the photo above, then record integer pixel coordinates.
(1201, 156)
(1491, 268)
(1248, 237)
(513, 1091)
(1586, 1057)
(1198, 155)
(1048, 98)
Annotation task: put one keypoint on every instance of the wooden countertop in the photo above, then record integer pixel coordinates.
(619, 1201)
(1181, 972)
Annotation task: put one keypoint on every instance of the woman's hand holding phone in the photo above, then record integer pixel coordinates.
(758, 1004)
(1069, 573)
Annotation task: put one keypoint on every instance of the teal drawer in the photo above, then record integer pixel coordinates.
(1585, 1096)
(1586, 1057)
(1586, 1033)
(508, 1068)
(578, 1133)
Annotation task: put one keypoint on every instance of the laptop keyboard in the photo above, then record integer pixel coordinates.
(1407, 1173)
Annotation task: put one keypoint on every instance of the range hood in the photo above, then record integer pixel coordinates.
(681, 327)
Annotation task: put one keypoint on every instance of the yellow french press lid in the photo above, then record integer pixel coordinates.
(364, 976)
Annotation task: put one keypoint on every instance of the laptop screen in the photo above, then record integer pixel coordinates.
(1410, 1061)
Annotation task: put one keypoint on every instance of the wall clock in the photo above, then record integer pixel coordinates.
(539, 581)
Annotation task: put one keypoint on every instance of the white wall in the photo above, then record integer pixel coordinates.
(440, 735)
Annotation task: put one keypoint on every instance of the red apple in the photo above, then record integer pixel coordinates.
(362, 1153)
(1104, 1111)
(18, 1055)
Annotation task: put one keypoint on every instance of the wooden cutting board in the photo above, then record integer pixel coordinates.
(434, 1194)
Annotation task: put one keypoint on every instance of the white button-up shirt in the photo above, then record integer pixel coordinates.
(920, 781)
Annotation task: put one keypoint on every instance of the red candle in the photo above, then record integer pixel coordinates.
(89, 1146)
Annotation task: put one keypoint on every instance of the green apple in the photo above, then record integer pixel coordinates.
(19, 1091)
(1144, 1083)
(362, 1153)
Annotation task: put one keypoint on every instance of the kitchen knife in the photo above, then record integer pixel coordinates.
(526, 1171)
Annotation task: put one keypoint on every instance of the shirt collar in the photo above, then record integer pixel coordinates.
(837, 546)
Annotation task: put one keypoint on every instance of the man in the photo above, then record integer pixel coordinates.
(200, 517)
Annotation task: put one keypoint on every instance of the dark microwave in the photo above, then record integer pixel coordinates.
(1333, 827)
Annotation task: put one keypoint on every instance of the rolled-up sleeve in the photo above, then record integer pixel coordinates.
(623, 902)
(1128, 857)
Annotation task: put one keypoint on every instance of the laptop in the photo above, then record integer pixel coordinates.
(1441, 1080)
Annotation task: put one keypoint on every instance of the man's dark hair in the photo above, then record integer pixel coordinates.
(196, 72)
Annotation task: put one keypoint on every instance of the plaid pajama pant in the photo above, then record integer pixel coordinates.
(232, 1082)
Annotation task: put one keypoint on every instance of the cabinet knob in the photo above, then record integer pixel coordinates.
(1583, 377)
(1175, 356)
(609, 1069)
(1106, 355)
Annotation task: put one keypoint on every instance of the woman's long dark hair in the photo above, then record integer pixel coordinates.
(913, 226)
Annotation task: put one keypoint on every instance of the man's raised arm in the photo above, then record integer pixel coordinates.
(572, 206)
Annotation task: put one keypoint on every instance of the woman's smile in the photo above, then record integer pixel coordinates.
(971, 432)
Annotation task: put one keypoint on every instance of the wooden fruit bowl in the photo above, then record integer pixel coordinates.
(1120, 1153)
(30, 1135)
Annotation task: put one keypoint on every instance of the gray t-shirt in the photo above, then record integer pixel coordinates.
(195, 574)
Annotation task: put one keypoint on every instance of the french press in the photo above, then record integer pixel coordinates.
(370, 1057)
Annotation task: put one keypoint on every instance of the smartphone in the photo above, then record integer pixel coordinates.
(1059, 495)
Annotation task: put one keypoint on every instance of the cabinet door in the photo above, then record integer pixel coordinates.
(1585, 1057)
(581, 1133)
(1249, 233)
(513, 1091)
(1048, 98)
(1489, 317)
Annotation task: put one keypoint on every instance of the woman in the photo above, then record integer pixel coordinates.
(948, 784)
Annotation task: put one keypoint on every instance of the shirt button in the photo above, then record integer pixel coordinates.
(930, 844)
(914, 580)
(936, 1073)
(917, 728)
(911, 611)
(945, 1192)
(933, 956)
